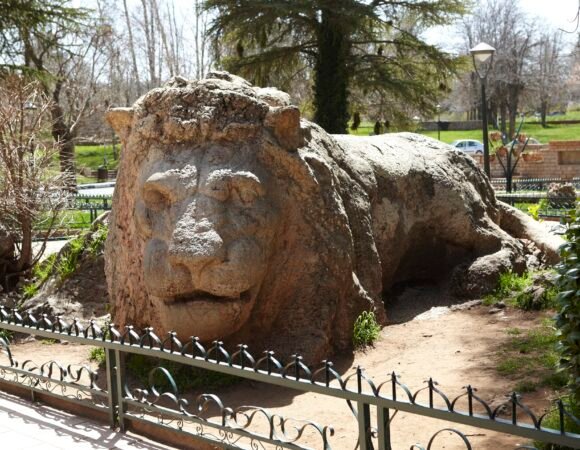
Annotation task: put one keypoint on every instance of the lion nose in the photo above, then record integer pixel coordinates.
(196, 250)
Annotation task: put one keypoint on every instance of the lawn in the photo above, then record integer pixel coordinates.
(544, 135)
(94, 156)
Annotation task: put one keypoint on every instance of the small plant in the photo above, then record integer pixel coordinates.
(29, 290)
(529, 291)
(97, 354)
(98, 240)
(67, 264)
(534, 211)
(366, 329)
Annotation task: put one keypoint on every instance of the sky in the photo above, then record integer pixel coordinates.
(554, 13)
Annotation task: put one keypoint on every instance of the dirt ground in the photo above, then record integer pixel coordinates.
(456, 345)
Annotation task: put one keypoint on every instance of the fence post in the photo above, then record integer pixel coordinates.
(112, 386)
(364, 426)
(120, 377)
(384, 428)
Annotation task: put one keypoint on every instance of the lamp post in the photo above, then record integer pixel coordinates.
(438, 122)
(482, 55)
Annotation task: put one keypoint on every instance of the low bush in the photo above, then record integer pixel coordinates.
(97, 354)
(568, 299)
(366, 330)
(529, 291)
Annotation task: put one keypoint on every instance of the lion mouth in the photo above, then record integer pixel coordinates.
(202, 296)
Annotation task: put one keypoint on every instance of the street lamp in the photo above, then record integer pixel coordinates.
(482, 55)
(438, 122)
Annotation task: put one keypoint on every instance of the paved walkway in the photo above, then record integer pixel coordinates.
(30, 426)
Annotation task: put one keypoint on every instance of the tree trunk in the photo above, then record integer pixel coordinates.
(24, 260)
(503, 118)
(544, 113)
(61, 133)
(132, 48)
(331, 75)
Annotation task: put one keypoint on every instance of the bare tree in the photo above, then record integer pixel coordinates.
(503, 24)
(549, 73)
(132, 47)
(30, 189)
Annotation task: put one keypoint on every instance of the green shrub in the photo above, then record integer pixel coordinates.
(529, 291)
(512, 282)
(568, 317)
(366, 329)
(42, 270)
(529, 302)
(97, 354)
(98, 239)
(67, 264)
(552, 420)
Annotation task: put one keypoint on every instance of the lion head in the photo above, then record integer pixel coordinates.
(229, 223)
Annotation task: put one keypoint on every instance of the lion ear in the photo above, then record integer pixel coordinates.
(121, 120)
(284, 122)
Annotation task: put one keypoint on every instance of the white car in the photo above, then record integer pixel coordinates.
(469, 146)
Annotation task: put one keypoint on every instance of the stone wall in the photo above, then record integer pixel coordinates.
(558, 159)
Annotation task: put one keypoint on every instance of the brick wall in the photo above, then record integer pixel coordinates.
(558, 159)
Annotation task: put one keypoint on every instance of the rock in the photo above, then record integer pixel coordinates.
(82, 295)
(561, 195)
(234, 219)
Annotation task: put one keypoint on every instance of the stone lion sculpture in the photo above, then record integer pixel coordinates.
(234, 219)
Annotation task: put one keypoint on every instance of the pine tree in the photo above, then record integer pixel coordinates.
(372, 45)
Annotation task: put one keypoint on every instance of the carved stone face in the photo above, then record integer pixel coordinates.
(208, 225)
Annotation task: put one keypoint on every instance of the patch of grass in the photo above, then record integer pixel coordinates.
(531, 357)
(514, 331)
(535, 130)
(40, 273)
(185, 377)
(520, 292)
(97, 354)
(43, 269)
(510, 282)
(525, 386)
(97, 242)
(528, 302)
(68, 261)
(94, 156)
(30, 290)
(48, 341)
(366, 329)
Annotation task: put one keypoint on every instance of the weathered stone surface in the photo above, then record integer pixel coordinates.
(233, 219)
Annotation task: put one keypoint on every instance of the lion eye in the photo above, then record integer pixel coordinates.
(247, 188)
(155, 199)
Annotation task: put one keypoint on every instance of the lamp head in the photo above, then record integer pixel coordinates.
(481, 53)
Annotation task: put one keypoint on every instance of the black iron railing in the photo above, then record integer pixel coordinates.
(373, 405)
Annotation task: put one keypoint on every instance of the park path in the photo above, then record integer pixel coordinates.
(28, 426)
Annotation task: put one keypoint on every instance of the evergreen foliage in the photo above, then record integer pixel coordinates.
(568, 318)
(372, 46)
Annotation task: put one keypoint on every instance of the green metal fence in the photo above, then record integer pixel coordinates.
(373, 405)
